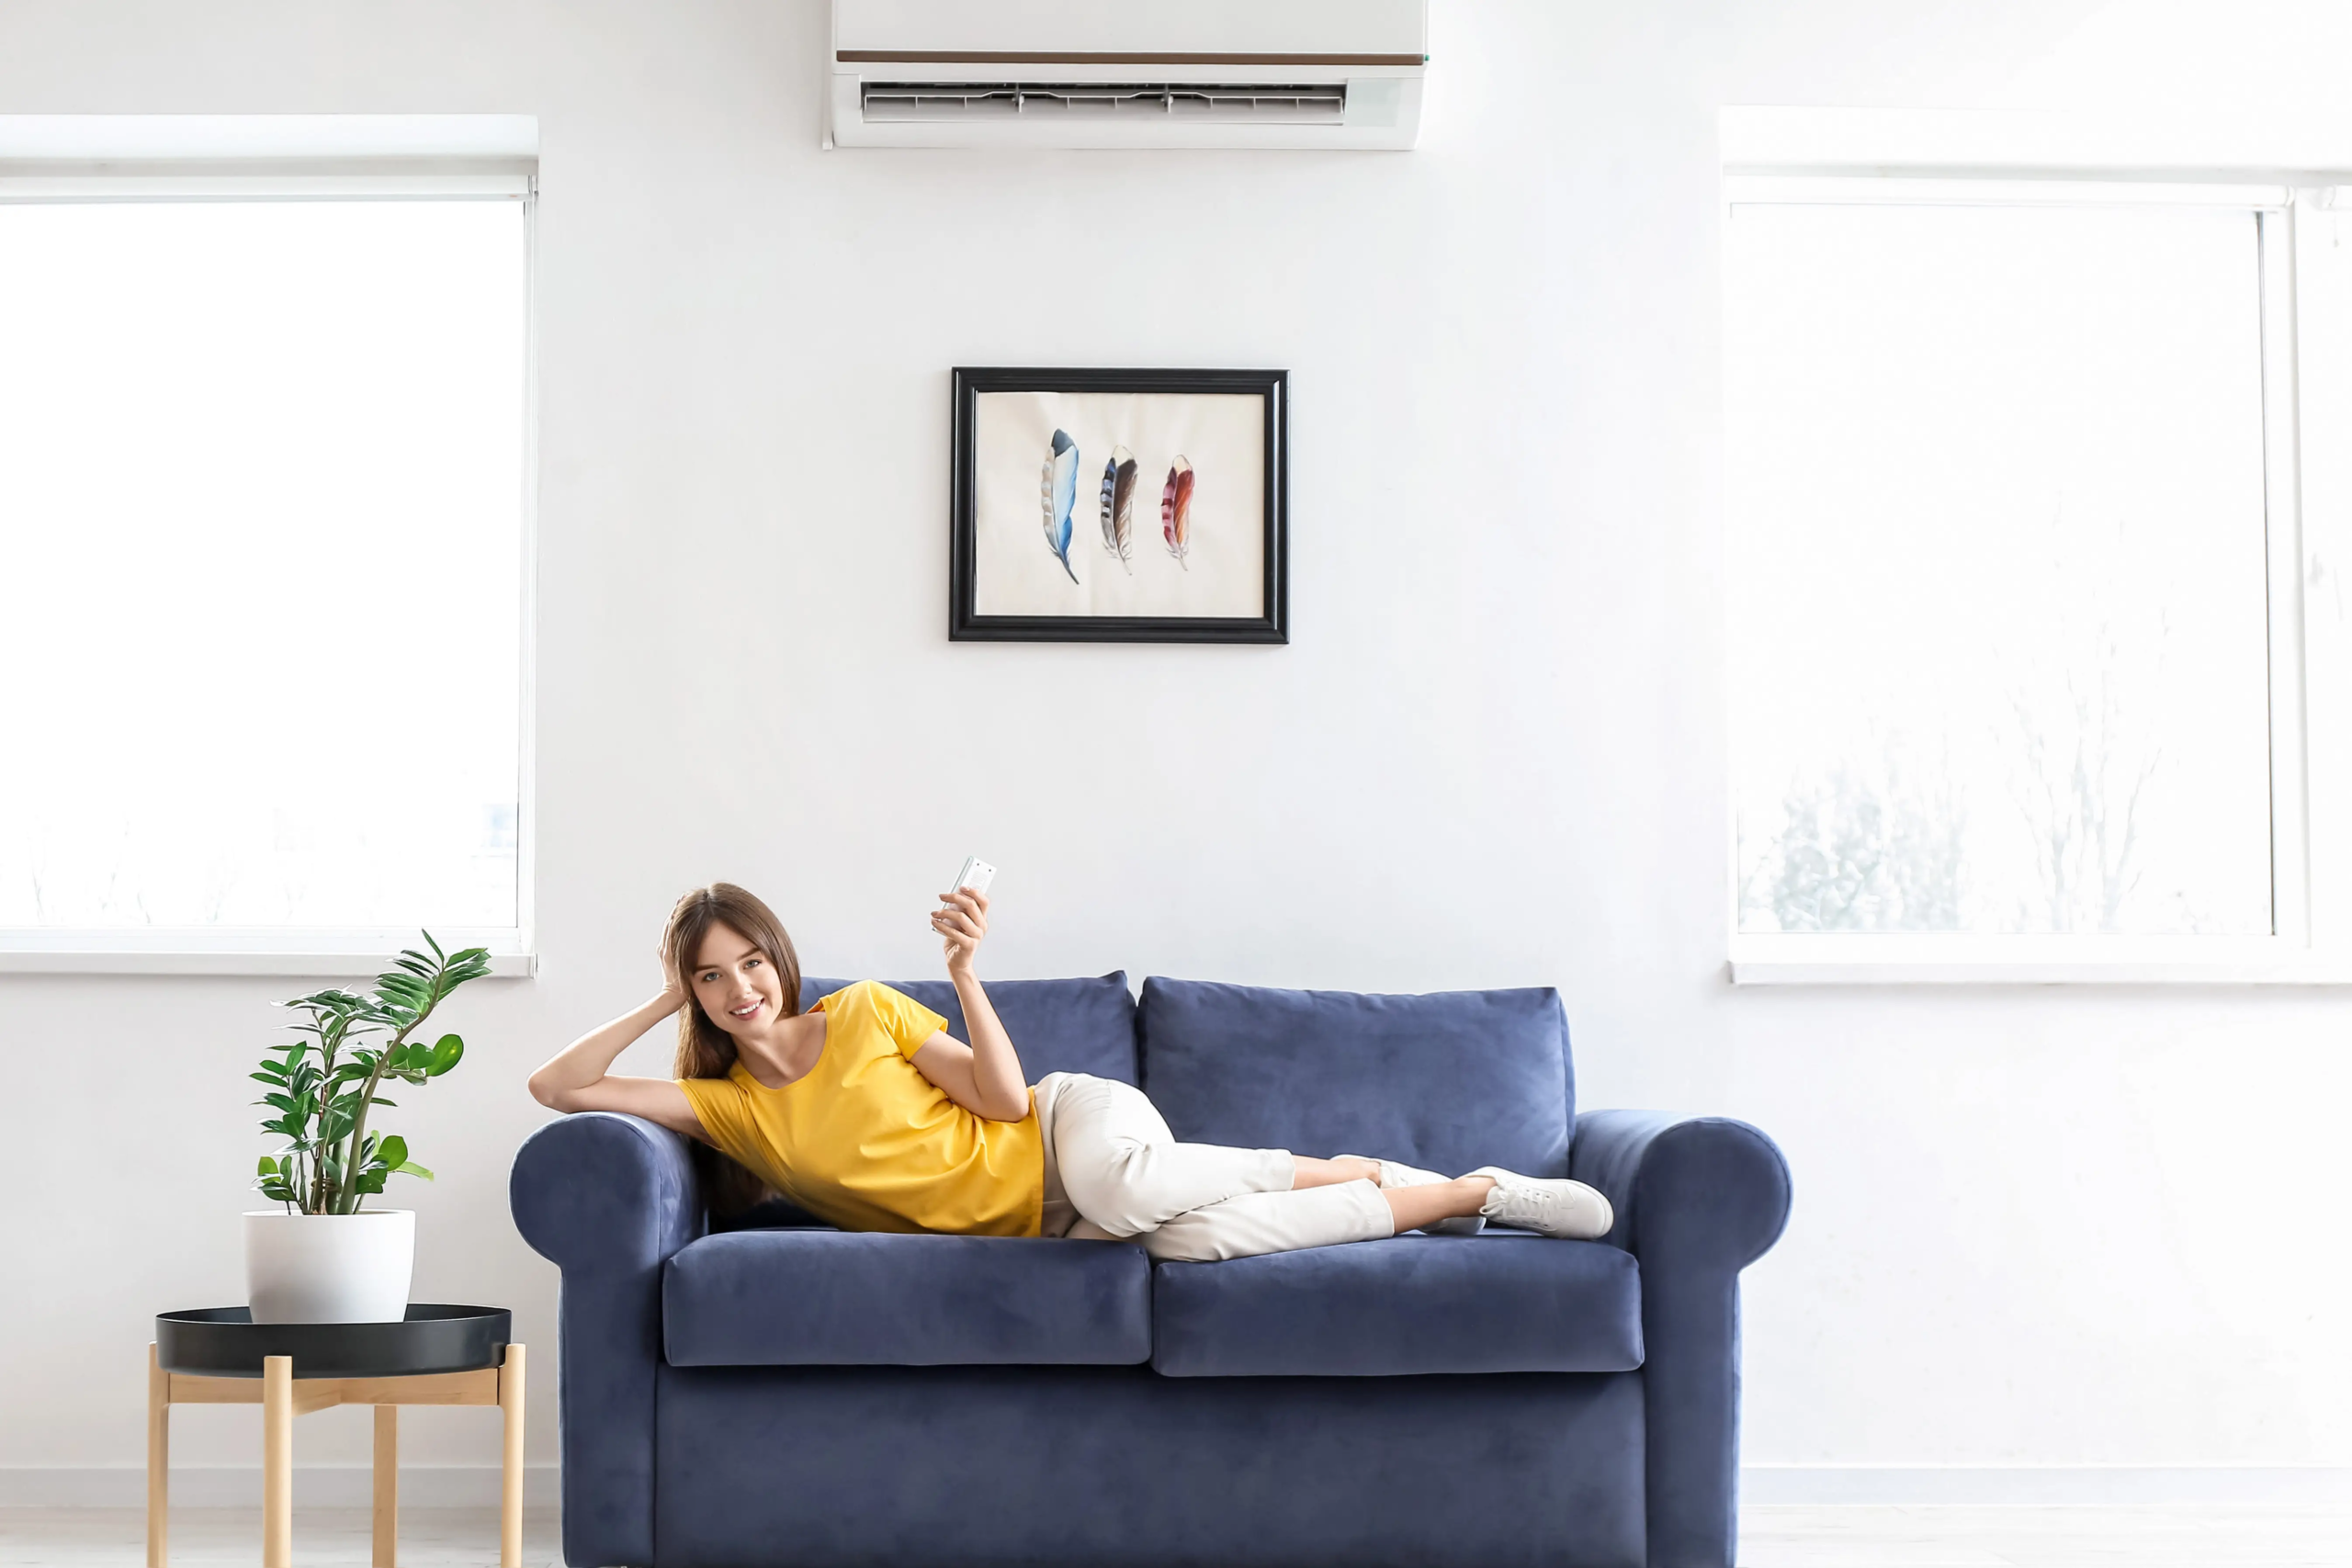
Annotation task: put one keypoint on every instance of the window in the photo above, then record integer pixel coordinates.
(2017, 639)
(264, 506)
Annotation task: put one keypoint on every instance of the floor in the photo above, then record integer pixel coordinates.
(1945, 1536)
(209, 1538)
(1777, 1536)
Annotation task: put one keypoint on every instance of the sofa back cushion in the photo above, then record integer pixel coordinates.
(1447, 1081)
(1058, 1026)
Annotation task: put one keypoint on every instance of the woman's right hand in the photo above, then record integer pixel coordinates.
(674, 994)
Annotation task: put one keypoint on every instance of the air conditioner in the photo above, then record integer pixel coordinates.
(1282, 74)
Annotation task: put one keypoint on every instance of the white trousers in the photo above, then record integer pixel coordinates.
(1114, 1172)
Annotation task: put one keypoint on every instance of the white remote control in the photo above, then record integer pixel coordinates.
(976, 876)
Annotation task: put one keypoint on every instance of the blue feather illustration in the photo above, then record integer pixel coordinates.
(1058, 491)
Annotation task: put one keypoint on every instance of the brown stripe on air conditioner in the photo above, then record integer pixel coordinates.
(1008, 57)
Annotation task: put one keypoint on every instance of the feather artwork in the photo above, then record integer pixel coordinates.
(1119, 506)
(1058, 491)
(1176, 510)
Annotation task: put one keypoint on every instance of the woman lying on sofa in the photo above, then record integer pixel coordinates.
(866, 1112)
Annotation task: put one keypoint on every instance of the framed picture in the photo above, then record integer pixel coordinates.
(1119, 506)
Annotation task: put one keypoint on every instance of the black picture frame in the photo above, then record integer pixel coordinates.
(964, 624)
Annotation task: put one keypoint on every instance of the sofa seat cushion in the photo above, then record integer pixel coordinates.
(1503, 1301)
(827, 1298)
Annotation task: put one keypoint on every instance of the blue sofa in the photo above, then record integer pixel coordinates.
(785, 1393)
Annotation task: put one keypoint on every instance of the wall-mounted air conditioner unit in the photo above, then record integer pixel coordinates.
(1284, 73)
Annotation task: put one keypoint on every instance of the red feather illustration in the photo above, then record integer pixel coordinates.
(1176, 510)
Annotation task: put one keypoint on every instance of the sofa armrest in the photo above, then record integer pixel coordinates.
(608, 1198)
(1701, 1191)
(599, 1193)
(1697, 1199)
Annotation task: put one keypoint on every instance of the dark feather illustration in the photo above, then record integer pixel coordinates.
(1176, 510)
(1058, 491)
(1119, 506)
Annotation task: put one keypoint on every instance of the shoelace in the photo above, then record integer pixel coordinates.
(1542, 1205)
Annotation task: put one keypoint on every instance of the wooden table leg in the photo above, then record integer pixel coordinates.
(510, 1512)
(159, 1460)
(387, 1485)
(277, 1462)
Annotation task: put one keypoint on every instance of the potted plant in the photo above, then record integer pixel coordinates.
(321, 1257)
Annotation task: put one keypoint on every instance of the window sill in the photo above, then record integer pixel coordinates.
(2032, 961)
(326, 965)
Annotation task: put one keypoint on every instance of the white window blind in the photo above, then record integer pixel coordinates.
(2017, 637)
(264, 509)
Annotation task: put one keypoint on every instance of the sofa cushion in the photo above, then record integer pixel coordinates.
(1451, 1081)
(1058, 1026)
(1503, 1301)
(802, 1298)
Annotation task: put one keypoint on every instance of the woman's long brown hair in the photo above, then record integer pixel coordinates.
(705, 1050)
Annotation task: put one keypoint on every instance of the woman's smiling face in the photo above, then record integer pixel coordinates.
(738, 987)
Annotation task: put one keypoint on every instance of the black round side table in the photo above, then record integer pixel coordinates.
(438, 1355)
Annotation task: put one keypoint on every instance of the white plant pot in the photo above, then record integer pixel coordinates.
(329, 1268)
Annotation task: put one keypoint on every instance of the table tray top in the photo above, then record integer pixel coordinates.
(225, 1342)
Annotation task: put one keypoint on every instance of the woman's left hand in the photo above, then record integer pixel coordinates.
(960, 925)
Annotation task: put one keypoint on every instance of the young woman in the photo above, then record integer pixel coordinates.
(865, 1113)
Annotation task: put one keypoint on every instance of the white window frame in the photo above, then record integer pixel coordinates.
(192, 169)
(1874, 157)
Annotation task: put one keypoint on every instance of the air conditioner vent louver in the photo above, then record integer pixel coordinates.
(1255, 102)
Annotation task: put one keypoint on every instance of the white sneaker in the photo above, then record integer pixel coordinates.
(1568, 1210)
(1396, 1173)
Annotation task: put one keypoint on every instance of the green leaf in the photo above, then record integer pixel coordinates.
(372, 1183)
(410, 1168)
(269, 1166)
(447, 1053)
(393, 1150)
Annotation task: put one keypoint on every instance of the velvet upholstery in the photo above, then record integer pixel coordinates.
(1058, 1026)
(956, 1467)
(608, 1198)
(667, 1466)
(1449, 1081)
(1503, 1301)
(1697, 1199)
(787, 1298)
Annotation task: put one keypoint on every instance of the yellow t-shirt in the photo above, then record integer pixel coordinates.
(864, 1140)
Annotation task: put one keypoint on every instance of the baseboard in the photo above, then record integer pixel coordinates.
(2119, 1485)
(477, 1486)
(239, 1486)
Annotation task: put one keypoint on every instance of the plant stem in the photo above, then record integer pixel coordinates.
(347, 1202)
(329, 1039)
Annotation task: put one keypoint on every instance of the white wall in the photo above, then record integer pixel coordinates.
(2033, 1229)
